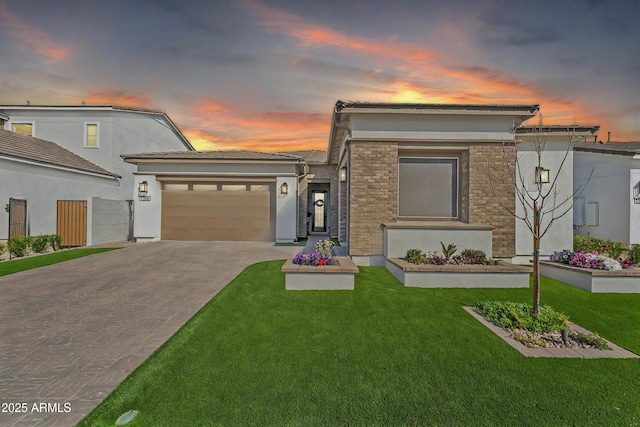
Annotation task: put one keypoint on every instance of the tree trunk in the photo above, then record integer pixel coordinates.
(536, 257)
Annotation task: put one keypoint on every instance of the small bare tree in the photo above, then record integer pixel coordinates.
(544, 205)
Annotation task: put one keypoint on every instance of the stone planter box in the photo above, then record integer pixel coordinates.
(504, 275)
(319, 278)
(621, 281)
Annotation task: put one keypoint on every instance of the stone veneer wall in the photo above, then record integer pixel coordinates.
(484, 207)
(373, 193)
(323, 174)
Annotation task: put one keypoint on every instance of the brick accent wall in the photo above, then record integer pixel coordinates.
(373, 194)
(484, 207)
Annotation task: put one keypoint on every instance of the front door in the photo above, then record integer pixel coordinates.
(319, 212)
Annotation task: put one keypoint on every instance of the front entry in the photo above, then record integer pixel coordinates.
(319, 211)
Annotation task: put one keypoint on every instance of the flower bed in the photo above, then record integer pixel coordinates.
(339, 275)
(592, 260)
(592, 279)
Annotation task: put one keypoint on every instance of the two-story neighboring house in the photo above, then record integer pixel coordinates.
(51, 156)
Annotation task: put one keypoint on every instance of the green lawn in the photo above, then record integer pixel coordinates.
(22, 264)
(380, 355)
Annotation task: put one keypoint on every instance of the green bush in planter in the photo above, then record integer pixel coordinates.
(3, 248)
(55, 241)
(634, 254)
(19, 245)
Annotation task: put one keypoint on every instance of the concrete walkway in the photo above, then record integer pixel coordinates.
(71, 332)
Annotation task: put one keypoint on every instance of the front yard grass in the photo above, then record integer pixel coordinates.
(382, 354)
(22, 264)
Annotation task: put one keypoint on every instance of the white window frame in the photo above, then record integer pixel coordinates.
(457, 207)
(24, 122)
(85, 127)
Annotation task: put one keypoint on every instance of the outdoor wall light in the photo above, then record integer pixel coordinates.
(343, 174)
(284, 189)
(542, 175)
(143, 188)
(636, 193)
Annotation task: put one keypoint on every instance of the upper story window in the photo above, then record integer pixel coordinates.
(91, 135)
(428, 187)
(22, 128)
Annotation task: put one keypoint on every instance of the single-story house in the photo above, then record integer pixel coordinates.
(395, 176)
(609, 207)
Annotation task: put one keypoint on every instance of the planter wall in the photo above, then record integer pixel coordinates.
(503, 275)
(318, 278)
(621, 281)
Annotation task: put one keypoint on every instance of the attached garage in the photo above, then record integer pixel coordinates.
(239, 212)
(216, 195)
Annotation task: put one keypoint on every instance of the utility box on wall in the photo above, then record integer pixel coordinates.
(592, 213)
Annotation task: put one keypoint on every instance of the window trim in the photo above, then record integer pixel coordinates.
(23, 122)
(85, 127)
(457, 217)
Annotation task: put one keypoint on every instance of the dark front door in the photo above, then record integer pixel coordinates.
(319, 212)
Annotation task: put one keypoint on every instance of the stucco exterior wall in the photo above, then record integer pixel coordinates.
(560, 235)
(611, 186)
(374, 195)
(42, 187)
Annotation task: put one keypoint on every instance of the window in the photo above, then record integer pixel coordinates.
(91, 135)
(23, 128)
(428, 187)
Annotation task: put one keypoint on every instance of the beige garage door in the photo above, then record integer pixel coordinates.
(218, 215)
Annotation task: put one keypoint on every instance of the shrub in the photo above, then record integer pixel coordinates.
(415, 256)
(634, 254)
(513, 315)
(448, 250)
(39, 243)
(3, 248)
(19, 245)
(614, 249)
(473, 256)
(594, 340)
(587, 244)
(55, 241)
(435, 259)
(325, 247)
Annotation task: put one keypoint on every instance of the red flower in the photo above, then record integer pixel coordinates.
(322, 262)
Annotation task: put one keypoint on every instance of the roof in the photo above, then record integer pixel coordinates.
(558, 129)
(310, 156)
(222, 155)
(45, 152)
(529, 108)
(622, 148)
(139, 110)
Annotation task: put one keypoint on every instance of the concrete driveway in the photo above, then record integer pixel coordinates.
(71, 332)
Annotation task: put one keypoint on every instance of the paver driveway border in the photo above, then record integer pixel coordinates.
(71, 332)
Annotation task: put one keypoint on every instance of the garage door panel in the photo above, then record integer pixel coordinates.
(232, 216)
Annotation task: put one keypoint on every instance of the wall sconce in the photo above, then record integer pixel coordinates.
(636, 194)
(343, 174)
(284, 189)
(143, 188)
(542, 175)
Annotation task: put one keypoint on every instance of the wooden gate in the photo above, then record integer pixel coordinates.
(17, 218)
(72, 222)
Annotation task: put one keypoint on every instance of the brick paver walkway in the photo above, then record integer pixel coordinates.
(71, 332)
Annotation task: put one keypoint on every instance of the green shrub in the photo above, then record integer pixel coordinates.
(634, 254)
(520, 315)
(55, 241)
(415, 256)
(473, 256)
(325, 247)
(587, 244)
(39, 243)
(448, 250)
(594, 340)
(3, 248)
(614, 249)
(19, 245)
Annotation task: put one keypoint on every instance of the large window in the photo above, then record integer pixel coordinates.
(428, 187)
(91, 135)
(23, 128)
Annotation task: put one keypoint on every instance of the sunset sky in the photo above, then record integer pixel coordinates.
(265, 75)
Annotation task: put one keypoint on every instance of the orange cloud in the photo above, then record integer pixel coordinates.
(215, 124)
(116, 97)
(32, 38)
